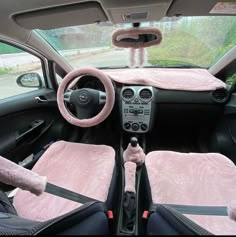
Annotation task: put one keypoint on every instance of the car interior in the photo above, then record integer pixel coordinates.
(116, 119)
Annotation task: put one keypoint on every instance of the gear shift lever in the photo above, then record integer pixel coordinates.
(134, 141)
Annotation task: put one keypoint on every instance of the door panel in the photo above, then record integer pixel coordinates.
(27, 125)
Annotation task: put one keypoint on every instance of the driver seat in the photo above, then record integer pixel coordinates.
(83, 168)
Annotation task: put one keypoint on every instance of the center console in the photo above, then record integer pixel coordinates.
(137, 108)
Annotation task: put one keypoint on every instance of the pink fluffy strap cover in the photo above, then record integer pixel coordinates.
(133, 156)
(17, 176)
(130, 174)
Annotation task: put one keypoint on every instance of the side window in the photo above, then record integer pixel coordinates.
(230, 79)
(20, 71)
(59, 79)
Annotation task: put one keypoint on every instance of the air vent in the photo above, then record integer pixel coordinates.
(145, 94)
(220, 95)
(128, 94)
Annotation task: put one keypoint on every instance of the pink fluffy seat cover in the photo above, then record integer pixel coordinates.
(82, 168)
(194, 179)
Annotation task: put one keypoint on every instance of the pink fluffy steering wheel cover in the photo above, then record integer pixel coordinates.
(110, 95)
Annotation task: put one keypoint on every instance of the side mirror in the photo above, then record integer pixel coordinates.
(31, 79)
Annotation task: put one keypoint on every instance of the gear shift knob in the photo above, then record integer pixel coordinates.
(134, 141)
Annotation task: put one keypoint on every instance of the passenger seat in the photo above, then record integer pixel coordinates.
(191, 184)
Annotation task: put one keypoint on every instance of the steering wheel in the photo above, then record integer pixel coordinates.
(85, 100)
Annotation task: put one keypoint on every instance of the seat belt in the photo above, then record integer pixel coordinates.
(67, 194)
(20, 177)
(195, 210)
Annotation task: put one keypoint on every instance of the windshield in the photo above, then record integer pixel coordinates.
(187, 42)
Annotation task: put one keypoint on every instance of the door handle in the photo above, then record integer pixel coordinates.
(41, 99)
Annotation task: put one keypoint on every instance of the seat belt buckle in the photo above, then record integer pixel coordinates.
(110, 214)
(145, 214)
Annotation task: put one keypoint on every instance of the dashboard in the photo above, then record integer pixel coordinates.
(141, 105)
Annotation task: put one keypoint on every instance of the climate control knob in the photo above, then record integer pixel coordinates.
(135, 126)
(144, 127)
(127, 125)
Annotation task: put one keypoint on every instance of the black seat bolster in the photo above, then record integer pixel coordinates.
(76, 218)
(168, 221)
(90, 216)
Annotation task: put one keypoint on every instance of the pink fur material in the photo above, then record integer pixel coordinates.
(167, 78)
(137, 57)
(133, 33)
(132, 60)
(110, 94)
(141, 57)
(134, 154)
(82, 168)
(130, 174)
(17, 176)
(194, 179)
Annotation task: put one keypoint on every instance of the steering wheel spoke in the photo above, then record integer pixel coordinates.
(102, 97)
(67, 95)
(83, 113)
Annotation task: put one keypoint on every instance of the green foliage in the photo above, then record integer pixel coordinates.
(4, 71)
(230, 79)
(182, 48)
(195, 40)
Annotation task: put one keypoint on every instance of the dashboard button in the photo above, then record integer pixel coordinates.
(136, 112)
(127, 125)
(144, 127)
(135, 126)
(131, 111)
(140, 111)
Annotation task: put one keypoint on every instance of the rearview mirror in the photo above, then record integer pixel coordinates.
(31, 79)
(136, 37)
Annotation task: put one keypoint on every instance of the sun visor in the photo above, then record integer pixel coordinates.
(202, 7)
(61, 16)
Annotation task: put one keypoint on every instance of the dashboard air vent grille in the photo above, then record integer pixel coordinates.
(128, 94)
(145, 94)
(220, 95)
